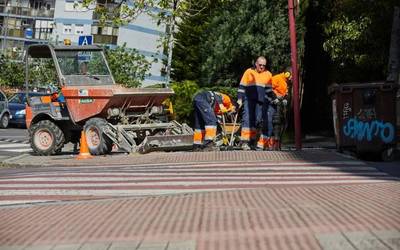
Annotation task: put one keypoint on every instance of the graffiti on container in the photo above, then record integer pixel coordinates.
(366, 114)
(367, 130)
(346, 110)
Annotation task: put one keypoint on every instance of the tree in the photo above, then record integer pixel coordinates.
(187, 57)
(42, 72)
(357, 38)
(184, 93)
(239, 33)
(122, 12)
(128, 67)
(12, 73)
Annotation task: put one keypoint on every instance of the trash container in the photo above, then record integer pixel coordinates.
(364, 118)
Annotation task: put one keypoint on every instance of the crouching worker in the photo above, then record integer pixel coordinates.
(207, 105)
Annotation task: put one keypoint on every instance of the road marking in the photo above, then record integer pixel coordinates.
(18, 150)
(14, 145)
(141, 177)
(123, 180)
(195, 182)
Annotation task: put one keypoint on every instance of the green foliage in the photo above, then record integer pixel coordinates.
(42, 72)
(242, 31)
(357, 38)
(344, 38)
(12, 72)
(128, 67)
(183, 99)
(186, 56)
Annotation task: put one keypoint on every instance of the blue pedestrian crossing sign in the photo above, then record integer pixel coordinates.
(85, 40)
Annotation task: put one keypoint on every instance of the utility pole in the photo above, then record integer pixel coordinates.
(295, 75)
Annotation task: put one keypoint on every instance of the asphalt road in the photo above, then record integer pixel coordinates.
(13, 142)
(13, 133)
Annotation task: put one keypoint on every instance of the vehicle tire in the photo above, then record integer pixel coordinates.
(46, 138)
(4, 121)
(98, 142)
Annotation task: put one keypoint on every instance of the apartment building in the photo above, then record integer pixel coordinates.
(23, 22)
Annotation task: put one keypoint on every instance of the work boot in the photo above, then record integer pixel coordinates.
(246, 146)
(277, 145)
(268, 144)
(209, 146)
(272, 144)
(197, 147)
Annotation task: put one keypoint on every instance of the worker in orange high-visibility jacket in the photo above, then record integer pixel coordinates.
(273, 99)
(251, 94)
(207, 105)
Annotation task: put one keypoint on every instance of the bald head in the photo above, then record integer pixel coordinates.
(261, 64)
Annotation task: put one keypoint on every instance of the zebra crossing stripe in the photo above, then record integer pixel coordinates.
(19, 150)
(14, 145)
(157, 179)
(14, 140)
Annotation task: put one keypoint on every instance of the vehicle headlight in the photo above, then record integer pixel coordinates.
(20, 112)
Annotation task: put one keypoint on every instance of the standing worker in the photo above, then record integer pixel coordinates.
(275, 98)
(207, 105)
(251, 95)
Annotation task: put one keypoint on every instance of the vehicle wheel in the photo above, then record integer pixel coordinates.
(46, 138)
(4, 121)
(98, 142)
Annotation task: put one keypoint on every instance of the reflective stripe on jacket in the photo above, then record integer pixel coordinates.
(252, 85)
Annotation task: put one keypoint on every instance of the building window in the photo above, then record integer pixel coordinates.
(43, 29)
(67, 29)
(78, 29)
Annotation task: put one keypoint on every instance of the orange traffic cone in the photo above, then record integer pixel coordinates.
(83, 148)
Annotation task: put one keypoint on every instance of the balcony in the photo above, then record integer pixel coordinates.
(110, 11)
(105, 39)
(26, 11)
(19, 33)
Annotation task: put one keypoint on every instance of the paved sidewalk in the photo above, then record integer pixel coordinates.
(318, 217)
(305, 155)
(340, 216)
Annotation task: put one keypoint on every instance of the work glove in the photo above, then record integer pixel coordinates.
(240, 102)
(232, 110)
(275, 101)
(284, 102)
(223, 109)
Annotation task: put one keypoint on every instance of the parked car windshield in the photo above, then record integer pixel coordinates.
(84, 67)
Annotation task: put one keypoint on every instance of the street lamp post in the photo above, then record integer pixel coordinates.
(295, 75)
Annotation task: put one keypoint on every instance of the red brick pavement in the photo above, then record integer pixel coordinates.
(267, 218)
(43, 184)
(264, 213)
(181, 157)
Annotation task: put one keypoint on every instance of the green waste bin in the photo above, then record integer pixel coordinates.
(364, 118)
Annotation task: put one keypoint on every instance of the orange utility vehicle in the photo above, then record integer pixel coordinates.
(134, 119)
